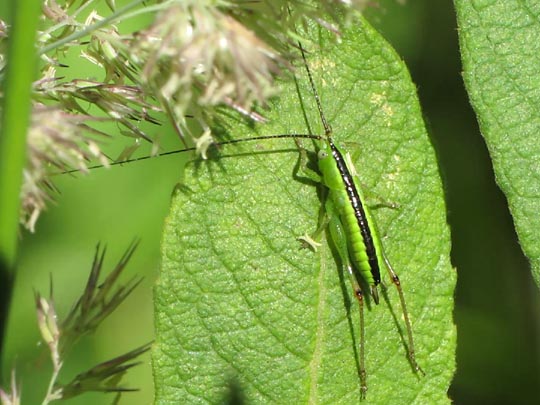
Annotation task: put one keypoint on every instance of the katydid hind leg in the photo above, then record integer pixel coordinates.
(410, 340)
(337, 233)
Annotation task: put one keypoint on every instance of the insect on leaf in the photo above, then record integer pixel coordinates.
(242, 311)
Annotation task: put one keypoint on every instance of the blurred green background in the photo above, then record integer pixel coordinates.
(497, 305)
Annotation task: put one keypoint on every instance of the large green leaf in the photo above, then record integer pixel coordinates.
(500, 48)
(242, 310)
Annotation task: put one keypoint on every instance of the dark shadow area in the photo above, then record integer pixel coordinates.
(234, 395)
(6, 288)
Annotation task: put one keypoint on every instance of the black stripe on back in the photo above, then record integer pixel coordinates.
(359, 212)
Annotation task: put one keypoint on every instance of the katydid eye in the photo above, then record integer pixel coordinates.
(322, 155)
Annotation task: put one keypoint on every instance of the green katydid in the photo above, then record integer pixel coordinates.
(353, 230)
(350, 224)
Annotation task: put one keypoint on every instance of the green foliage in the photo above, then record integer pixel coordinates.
(16, 81)
(15, 85)
(243, 310)
(500, 49)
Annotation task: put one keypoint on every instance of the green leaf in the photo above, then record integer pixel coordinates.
(242, 311)
(500, 47)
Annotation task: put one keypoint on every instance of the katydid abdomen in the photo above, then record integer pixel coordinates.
(363, 244)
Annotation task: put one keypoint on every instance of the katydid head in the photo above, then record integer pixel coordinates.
(324, 155)
(326, 159)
